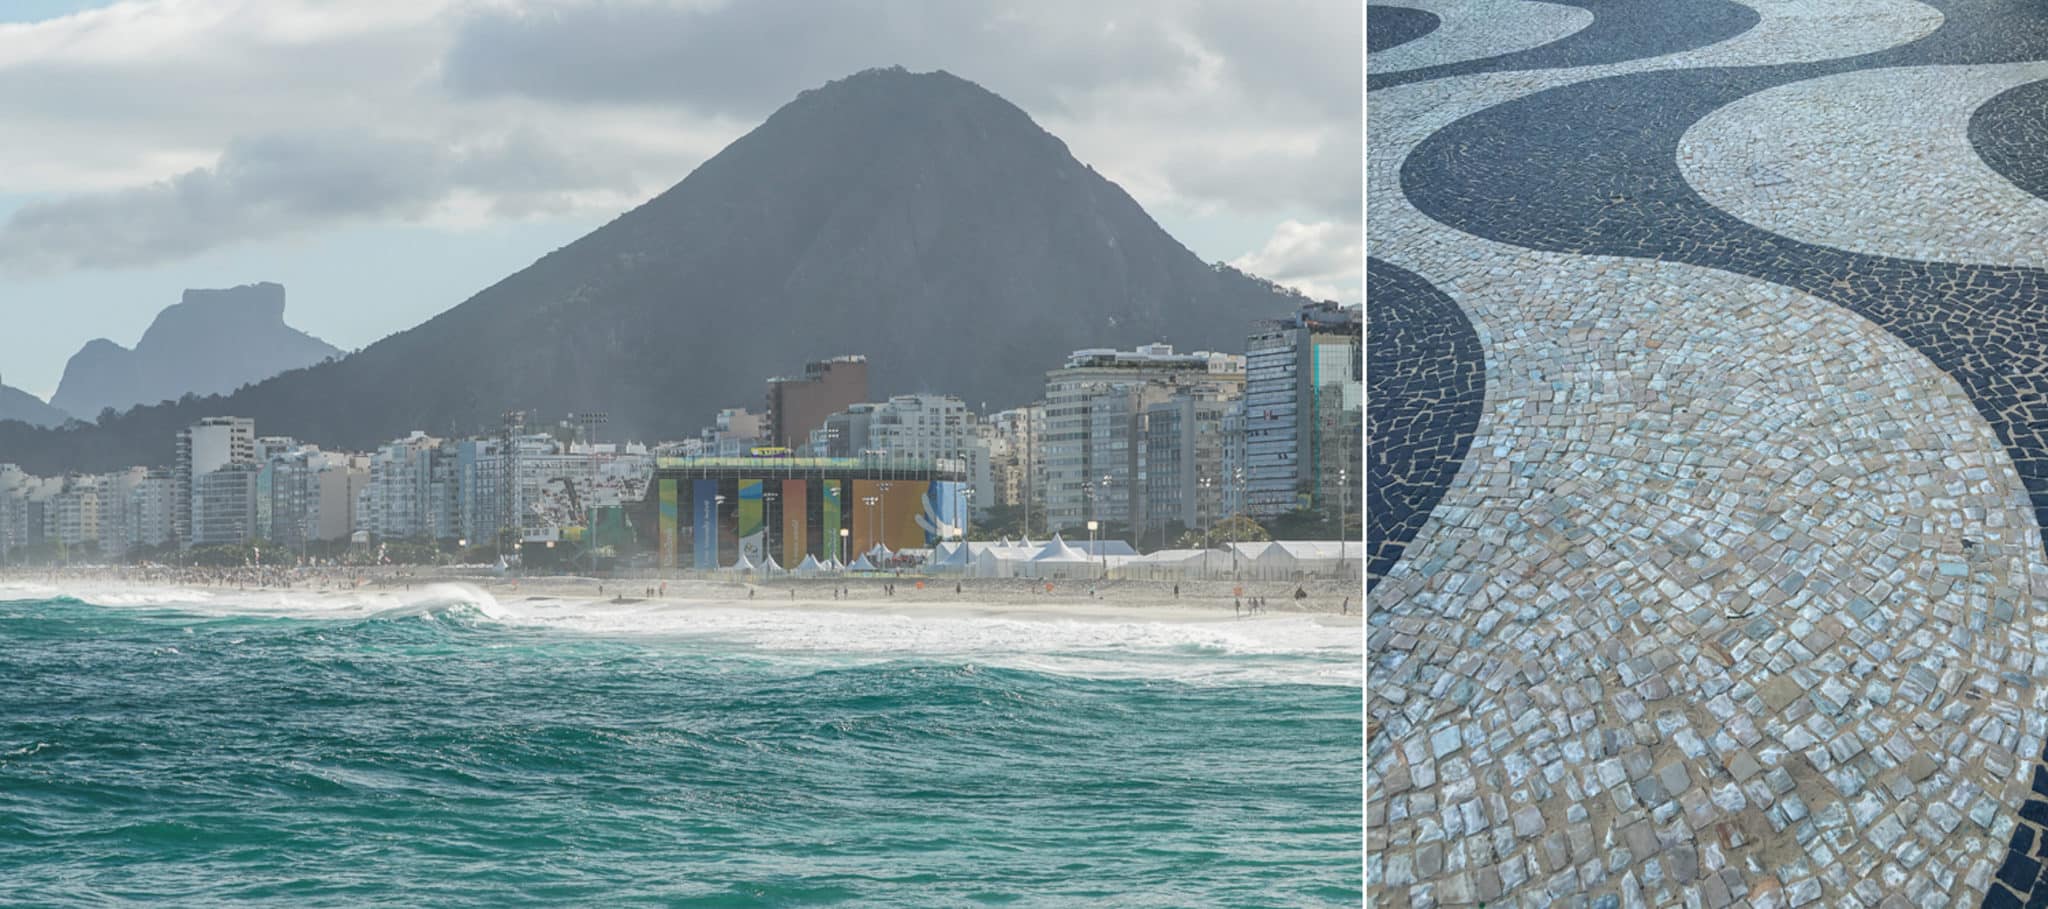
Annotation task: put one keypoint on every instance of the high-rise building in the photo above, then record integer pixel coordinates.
(1093, 453)
(75, 512)
(1304, 374)
(224, 505)
(799, 404)
(1184, 445)
(1015, 467)
(151, 505)
(115, 501)
(402, 499)
(845, 434)
(205, 447)
(311, 495)
(736, 434)
(1232, 474)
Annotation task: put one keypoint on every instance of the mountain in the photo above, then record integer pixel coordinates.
(915, 218)
(211, 341)
(16, 404)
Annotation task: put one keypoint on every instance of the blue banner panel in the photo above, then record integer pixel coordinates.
(704, 520)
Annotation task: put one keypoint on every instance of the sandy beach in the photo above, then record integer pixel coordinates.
(1336, 601)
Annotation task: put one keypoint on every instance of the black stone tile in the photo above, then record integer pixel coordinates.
(1426, 383)
(1393, 26)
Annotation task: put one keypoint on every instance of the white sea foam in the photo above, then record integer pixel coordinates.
(1179, 645)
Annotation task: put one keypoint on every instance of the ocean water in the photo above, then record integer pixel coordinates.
(443, 748)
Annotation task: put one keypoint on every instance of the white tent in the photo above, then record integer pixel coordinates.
(1026, 542)
(861, 564)
(768, 565)
(1111, 548)
(743, 566)
(1173, 564)
(1292, 559)
(1058, 560)
(809, 566)
(959, 561)
(834, 565)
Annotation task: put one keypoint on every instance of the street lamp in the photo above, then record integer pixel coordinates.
(1238, 474)
(768, 521)
(843, 532)
(1091, 545)
(967, 516)
(1343, 511)
(882, 531)
(869, 501)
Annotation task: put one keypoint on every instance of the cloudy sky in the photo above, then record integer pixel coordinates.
(385, 159)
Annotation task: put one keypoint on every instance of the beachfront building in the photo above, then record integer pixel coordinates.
(1231, 476)
(1014, 463)
(224, 505)
(1304, 377)
(1092, 450)
(74, 512)
(311, 495)
(1183, 458)
(209, 446)
(799, 404)
(734, 434)
(410, 493)
(151, 505)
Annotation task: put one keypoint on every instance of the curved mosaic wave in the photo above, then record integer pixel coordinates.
(1891, 146)
(1428, 380)
(1537, 201)
(1476, 29)
(1392, 26)
(2009, 133)
(1620, 30)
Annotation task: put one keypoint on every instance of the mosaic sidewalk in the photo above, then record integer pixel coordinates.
(1710, 399)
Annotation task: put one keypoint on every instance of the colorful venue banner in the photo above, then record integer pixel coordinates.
(704, 510)
(753, 536)
(668, 525)
(891, 518)
(945, 512)
(829, 520)
(795, 521)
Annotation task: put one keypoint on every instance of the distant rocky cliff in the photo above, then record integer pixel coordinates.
(210, 342)
(16, 404)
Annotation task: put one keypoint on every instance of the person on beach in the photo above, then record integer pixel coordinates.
(750, 593)
(1237, 607)
(1345, 609)
(1176, 591)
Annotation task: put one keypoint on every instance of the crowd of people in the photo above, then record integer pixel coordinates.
(242, 577)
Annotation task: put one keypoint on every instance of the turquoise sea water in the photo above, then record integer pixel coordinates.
(443, 753)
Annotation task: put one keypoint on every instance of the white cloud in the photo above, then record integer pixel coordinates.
(146, 131)
(1319, 259)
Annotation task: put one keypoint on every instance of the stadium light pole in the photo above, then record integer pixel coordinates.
(882, 529)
